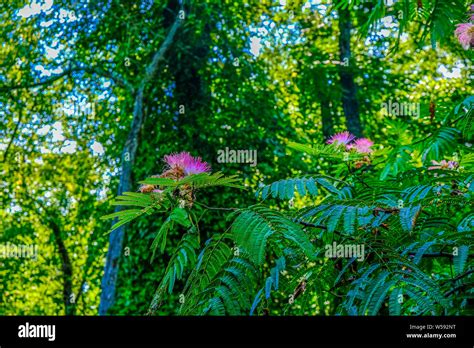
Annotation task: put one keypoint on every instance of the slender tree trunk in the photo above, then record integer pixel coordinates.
(48, 219)
(109, 281)
(349, 88)
(326, 116)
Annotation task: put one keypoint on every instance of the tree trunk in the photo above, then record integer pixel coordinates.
(326, 116)
(48, 219)
(69, 302)
(109, 280)
(349, 88)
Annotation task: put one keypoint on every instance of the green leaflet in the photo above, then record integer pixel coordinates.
(398, 161)
(395, 301)
(127, 215)
(408, 217)
(253, 227)
(440, 145)
(198, 181)
(324, 150)
(179, 216)
(286, 189)
(232, 286)
(460, 259)
(378, 297)
(183, 256)
(210, 261)
(160, 238)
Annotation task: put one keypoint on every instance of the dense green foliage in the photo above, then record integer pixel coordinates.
(414, 220)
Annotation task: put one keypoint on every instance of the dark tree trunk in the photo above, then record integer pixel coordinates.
(116, 237)
(66, 265)
(326, 117)
(349, 88)
(49, 219)
(109, 281)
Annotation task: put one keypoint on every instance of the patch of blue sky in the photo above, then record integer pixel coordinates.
(454, 72)
(97, 148)
(43, 72)
(169, 90)
(388, 27)
(52, 53)
(35, 7)
(262, 35)
(69, 146)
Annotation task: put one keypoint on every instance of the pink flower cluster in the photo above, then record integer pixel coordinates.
(465, 34)
(349, 141)
(187, 163)
(179, 165)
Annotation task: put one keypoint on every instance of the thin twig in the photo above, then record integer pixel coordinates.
(216, 208)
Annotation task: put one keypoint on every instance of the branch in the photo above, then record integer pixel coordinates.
(309, 224)
(117, 78)
(460, 287)
(41, 83)
(114, 76)
(15, 130)
(385, 210)
(438, 254)
(465, 274)
(153, 66)
(215, 208)
(17, 126)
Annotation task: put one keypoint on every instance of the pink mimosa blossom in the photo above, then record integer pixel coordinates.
(362, 145)
(187, 163)
(343, 138)
(465, 34)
